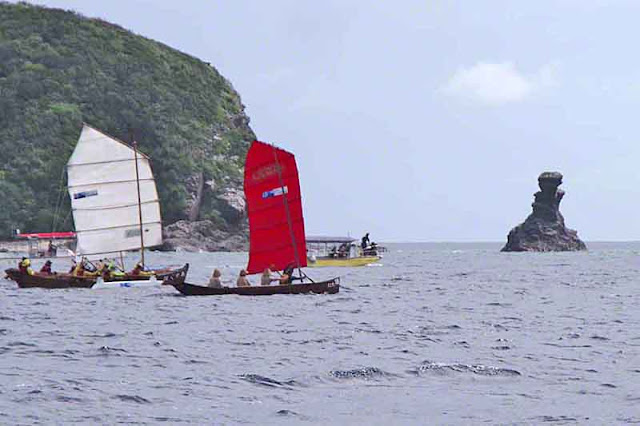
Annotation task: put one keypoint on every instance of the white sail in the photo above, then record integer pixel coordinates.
(104, 196)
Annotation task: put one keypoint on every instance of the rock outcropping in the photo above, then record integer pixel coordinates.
(203, 235)
(544, 229)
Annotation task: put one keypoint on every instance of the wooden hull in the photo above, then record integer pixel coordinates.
(339, 262)
(49, 281)
(330, 287)
(56, 281)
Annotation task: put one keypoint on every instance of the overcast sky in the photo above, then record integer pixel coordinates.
(428, 120)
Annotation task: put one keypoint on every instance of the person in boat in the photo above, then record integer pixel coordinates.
(365, 241)
(101, 267)
(79, 269)
(52, 250)
(333, 252)
(287, 275)
(343, 250)
(373, 249)
(138, 271)
(266, 278)
(113, 271)
(90, 269)
(73, 266)
(215, 281)
(46, 268)
(25, 266)
(243, 281)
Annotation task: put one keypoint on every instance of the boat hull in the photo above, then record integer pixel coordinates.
(329, 287)
(56, 281)
(49, 281)
(342, 262)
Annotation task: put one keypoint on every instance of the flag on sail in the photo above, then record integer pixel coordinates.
(274, 207)
(103, 189)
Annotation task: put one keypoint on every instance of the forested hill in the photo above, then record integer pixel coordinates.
(59, 69)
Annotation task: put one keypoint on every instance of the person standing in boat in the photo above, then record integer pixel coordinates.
(52, 249)
(365, 241)
(215, 281)
(46, 268)
(266, 278)
(242, 279)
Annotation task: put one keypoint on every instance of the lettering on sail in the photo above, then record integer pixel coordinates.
(266, 172)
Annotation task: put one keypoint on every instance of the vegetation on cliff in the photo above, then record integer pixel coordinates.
(59, 69)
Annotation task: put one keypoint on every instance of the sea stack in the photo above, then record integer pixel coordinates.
(544, 229)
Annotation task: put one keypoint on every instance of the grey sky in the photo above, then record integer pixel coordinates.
(427, 120)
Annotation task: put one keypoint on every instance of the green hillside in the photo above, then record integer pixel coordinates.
(59, 69)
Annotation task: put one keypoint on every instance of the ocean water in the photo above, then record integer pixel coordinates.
(434, 334)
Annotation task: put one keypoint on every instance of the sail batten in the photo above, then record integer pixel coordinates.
(103, 189)
(274, 207)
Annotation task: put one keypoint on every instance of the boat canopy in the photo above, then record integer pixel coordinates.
(329, 240)
(102, 185)
(47, 235)
(274, 207)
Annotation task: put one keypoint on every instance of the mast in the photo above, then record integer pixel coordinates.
(286, 208)
(135, 156)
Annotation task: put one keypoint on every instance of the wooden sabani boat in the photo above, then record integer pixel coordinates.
(69, 281)
(276, 227)
(177, 280)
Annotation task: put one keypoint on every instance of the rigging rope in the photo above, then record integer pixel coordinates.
(58, 203)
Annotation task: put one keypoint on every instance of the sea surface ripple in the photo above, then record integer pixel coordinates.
(434, 334)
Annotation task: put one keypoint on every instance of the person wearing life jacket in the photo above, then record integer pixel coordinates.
(113, 271)
(79, 270)
(25, 266)
(46, 268)
(139, 271)
(100, 267)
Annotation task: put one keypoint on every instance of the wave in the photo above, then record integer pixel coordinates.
(481, 370)
(365, 373)
(257, 379)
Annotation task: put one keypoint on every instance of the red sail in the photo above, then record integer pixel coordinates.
(274, 206)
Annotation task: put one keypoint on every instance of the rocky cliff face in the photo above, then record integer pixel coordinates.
(203, 235)
(544, 229)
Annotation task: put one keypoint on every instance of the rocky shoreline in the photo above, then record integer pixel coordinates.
(203, 235)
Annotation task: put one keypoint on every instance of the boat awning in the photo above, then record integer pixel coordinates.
(328, 240)
(48, 235)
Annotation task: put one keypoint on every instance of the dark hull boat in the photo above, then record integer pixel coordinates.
(55, 281)
(276, 227)
(330, 286)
